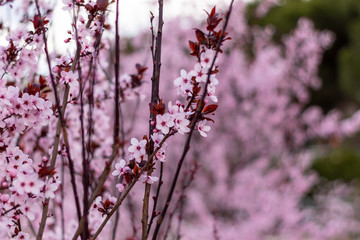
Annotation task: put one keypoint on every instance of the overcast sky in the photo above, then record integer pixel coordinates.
(134, 15)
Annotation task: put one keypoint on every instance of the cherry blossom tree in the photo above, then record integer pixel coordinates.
(57, 128)
(95, 144)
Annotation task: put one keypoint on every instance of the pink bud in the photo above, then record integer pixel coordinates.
(13, 174)
(4, 198)
(55, 69)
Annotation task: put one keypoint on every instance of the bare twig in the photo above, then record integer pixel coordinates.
(117, 84)
(85, 162)
(156, 199)
(122, 136)
(62, 199)
(9, 210)
(154, 99)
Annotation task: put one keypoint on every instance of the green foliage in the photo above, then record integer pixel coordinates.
(342, 163)
(340, 69)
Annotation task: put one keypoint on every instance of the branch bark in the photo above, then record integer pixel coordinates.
(154, 99)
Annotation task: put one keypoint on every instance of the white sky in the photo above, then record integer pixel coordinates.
(134, 15)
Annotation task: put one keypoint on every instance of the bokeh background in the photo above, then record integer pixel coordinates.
(282, 161)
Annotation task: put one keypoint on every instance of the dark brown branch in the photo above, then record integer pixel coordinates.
(156, 199)
(85, 162)
(117, 84)
(9, 210)
(154, 99)
(192, 127)
(117, 92)
(63, 127)
(62, 199)
(122, 135)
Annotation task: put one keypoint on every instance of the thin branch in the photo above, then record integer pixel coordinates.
(156, 199)
(118, 110)
(85, 162)
(117, 84)
(62, 199)
(192, 127)
(122, 135)
(9, 210)
(154, 99)
(61, 124)
(32, 229)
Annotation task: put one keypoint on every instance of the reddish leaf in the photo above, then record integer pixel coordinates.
(209, 109)
(89, 8)
(136, 170)
(140, 69)
(128, 178)
(201, 37)
(39, 22)
(196, 90)
(36, 21)
(102, 4)
(194, 46)
(107, 204)
(32, 89)
(157, 108)
(46, 171)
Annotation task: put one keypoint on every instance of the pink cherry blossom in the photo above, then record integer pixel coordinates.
(149, 179)
(137, 148)
(203, 128)
(120, 168)
(183, 83)
(164, 122)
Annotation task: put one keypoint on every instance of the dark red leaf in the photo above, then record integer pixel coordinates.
(46, 171)
(89, 8)
(102, 4)
(141, 69)
(209, 109)
(158, 108)
(201, 37)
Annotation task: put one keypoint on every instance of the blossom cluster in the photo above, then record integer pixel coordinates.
(179, 116)
(28, 186)
(258, 157)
